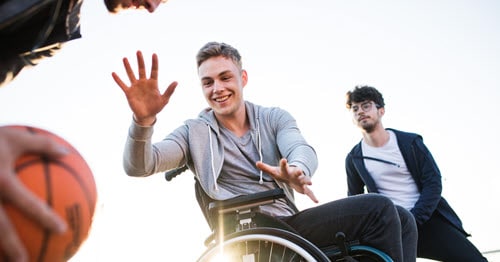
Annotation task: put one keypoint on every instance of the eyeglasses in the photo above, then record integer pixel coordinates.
(365, 106)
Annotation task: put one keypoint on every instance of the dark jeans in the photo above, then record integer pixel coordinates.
(439, 240)
(409, 234)
(371, 219)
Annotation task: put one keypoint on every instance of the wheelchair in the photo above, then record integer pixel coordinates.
(242, 233)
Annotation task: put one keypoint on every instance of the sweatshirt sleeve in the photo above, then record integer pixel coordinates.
(142, 157)
(292, 144)
(138, 155)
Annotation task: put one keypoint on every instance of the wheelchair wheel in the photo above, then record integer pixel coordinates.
(360, 253)
(263, 244)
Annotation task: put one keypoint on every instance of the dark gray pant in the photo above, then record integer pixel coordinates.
(371, 219)
(409, 234)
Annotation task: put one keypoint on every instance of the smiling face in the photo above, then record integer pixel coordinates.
(115, 6)
(222, 82)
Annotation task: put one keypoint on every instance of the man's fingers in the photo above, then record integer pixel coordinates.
(141, 65)
(264, 167)
(154, 67)
(16, 194)
(45, 145)
(304, 179)
(128, 70)
(310, 194)
(22, 198)
(283, 169)
(37, 143)
(170, 90)
(284, 166)
(10, 244)
(119, 81)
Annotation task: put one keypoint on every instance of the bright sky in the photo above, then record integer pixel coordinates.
(436, 62)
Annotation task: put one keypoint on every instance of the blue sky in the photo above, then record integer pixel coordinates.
(436, 62)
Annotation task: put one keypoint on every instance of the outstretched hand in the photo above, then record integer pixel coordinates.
(143, 95)
(291, 175)
(13, 144)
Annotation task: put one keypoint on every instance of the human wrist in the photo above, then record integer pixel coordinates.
(146, 121)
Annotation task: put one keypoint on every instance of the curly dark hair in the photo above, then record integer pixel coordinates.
(364, 93)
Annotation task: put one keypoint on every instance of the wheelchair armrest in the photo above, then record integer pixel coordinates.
(247, 201)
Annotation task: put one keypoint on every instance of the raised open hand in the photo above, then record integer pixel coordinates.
(143, 94)
(291, 175)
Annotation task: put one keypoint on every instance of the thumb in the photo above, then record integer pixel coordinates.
(169, 91)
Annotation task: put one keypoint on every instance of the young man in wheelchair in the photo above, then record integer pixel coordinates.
(235, 148)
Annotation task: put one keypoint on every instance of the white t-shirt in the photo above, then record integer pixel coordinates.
(390, 173)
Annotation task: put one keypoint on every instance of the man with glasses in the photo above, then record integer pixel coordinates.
(398, 165)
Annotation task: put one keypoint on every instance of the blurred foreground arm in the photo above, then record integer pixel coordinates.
(13, 144)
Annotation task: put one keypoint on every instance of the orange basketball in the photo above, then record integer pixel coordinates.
(67, 185)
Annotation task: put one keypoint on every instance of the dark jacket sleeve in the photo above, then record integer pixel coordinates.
(428, 178)
(355, 184)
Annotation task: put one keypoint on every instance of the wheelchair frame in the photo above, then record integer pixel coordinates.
(258, 237)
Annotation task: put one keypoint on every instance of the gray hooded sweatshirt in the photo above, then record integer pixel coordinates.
(197, 145)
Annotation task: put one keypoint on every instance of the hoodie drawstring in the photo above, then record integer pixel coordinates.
(212, 158)
(261, 181)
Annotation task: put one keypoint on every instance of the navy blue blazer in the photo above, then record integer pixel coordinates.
(423, 169)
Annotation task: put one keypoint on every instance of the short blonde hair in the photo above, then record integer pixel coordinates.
(214, 49)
